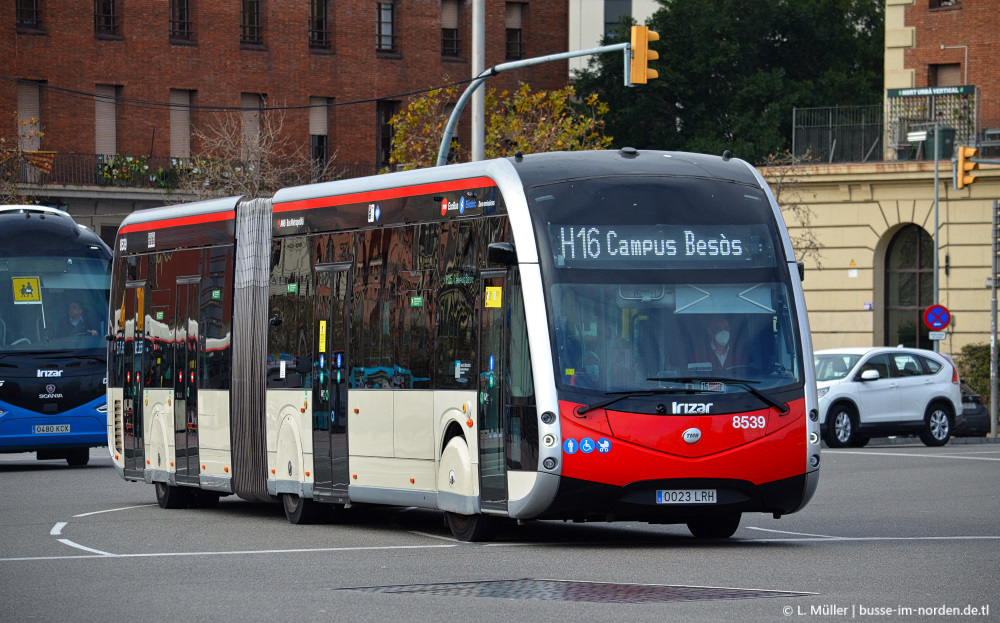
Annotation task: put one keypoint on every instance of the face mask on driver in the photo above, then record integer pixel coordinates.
(722, 337)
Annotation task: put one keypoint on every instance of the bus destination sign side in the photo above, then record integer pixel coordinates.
(701, 246)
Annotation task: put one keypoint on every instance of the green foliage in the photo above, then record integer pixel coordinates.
(523, 120)
(731, 71)
(123, 171)
(974, 368)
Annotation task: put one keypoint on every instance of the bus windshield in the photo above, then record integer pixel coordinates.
(53, 303)
(666, 284)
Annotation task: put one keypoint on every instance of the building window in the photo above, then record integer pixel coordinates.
(945, 4)
(319, 130)
(948, 75)
(181, 27)
(29, 122)
(180, 123)
(107, 22)
(106, 119)
(384, 112)
(29, 15)
(449, 28)
(514, 38)
(614, 10)
(386, 28)
(251, 31)
(319, 25)
(252, 105)
(909, 284)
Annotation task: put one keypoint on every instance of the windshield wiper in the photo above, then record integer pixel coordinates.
(746, 384)
(623, 395)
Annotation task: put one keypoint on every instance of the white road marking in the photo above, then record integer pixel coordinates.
(922, 456)
(111, 510)
(822, 536)
(57, 529)
(434, 536)
(235, 553)
(86, 549)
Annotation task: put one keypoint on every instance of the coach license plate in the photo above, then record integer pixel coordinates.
(687, 496)
(51, 428)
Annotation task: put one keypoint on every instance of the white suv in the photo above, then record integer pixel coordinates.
(873, 392)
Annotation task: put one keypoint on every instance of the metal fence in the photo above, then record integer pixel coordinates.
(891, 132)
(46, 167)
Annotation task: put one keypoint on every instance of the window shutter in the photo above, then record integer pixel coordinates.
(319, 115)
(449, 14)
(180, 123)
(28, 108)
(514, 15)
(106, 120)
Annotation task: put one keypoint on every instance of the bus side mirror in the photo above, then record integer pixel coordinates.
(802, 270)
(501, 253)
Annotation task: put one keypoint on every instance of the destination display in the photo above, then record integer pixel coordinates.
(668, 246)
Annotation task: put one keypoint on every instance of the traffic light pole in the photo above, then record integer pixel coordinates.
(528, 62)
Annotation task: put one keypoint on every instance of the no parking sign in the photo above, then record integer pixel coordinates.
(937, 317)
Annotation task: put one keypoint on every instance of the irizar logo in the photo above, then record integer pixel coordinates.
(45, 373)
(690, 407)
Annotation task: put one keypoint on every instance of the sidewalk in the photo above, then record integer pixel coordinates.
(913, 440)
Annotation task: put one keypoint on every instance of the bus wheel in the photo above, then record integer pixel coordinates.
(78, 457)
(715, 527)
(299, 510)
(170, 496)
(472, 528)
(204, 499)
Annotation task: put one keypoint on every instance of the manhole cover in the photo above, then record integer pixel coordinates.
(564, 590)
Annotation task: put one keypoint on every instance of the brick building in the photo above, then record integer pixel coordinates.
(96, 77)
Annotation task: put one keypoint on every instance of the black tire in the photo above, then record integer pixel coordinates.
(300, 510)
(472, 528)
(841, 426)
(204, 499)
(937, 425)
(78, 457)
(860, 441)
(715, 527)
(171, 496)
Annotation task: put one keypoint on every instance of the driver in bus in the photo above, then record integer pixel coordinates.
(717, 351)
(75, 323)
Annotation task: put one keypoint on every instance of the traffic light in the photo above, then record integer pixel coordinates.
(641, 55)
(966, 166)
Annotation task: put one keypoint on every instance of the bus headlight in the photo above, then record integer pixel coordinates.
(549, 441)
(549, 463)
(814, 460)
(548, 417)
(813, 438)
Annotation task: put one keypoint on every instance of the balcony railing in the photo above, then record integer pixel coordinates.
(59, 168)
(881, 133)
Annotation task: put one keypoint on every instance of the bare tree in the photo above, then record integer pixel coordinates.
(14, 162)
(783, 172)
(249, 153)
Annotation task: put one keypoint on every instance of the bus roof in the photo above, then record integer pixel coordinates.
(36, 229)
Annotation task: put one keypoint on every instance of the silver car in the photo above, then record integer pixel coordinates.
(883, 391)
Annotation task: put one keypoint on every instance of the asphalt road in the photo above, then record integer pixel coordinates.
(891, 527)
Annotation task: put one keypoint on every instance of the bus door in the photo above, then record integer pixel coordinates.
(131, 351)
(330, 379)
(186, 377)
(492, 429)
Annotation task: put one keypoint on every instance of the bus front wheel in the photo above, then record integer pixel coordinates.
(715, 527)
(78, 457)
(472, 528)
(171, 496)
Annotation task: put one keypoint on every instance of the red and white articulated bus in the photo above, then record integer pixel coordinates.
(587, 336)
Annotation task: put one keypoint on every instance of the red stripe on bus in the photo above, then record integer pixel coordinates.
(180, 222)
(380, 195)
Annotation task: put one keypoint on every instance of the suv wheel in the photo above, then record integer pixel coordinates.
(841, 426)
(937, 426)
